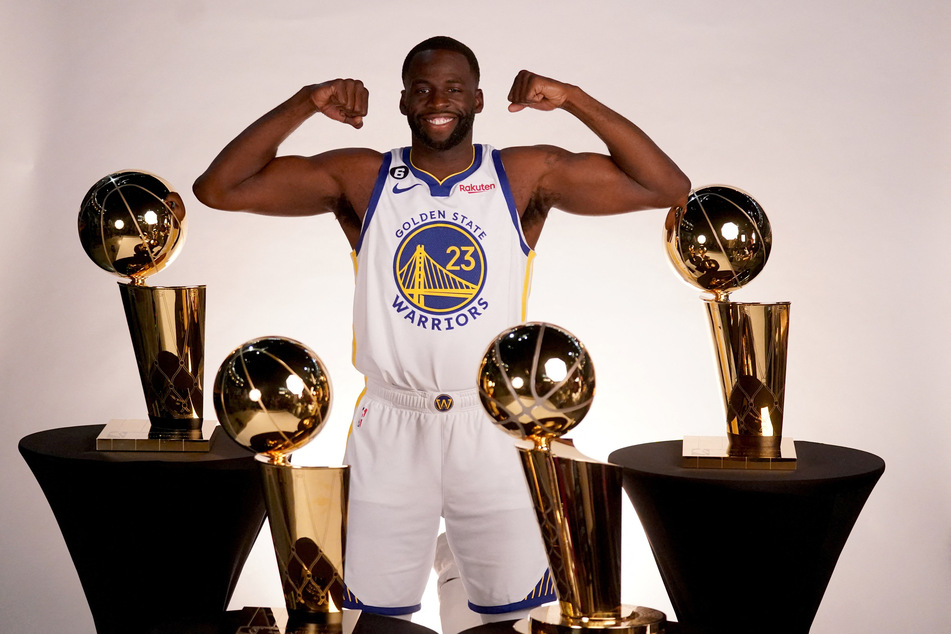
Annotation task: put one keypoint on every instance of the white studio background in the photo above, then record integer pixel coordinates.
(835, 115)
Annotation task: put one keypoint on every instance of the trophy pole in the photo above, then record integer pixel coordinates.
(307, 510)
(167, 326)
(751, 341)
(578, 506)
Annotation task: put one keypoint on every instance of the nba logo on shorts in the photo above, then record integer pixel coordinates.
(443, 403)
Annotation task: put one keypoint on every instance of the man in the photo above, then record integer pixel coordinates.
(443, 234)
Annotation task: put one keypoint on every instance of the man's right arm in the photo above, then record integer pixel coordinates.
(249, 176)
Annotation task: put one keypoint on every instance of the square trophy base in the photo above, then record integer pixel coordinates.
(712, 452)
(140, 435)
(548, 619)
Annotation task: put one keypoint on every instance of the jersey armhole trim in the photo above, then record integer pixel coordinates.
(509, 199)
(374, 199)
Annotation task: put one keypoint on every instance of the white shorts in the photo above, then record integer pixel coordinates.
(410, 464)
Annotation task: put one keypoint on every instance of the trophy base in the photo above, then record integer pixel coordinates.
(284, 621)
(300, 622)
(712, 452)
(140, 435)
(638, 620)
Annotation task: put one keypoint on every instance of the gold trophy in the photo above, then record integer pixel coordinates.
(273, 396)
(132, 224)
(719, 242)
(536, 382)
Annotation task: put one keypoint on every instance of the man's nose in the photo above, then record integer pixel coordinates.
(437, 98)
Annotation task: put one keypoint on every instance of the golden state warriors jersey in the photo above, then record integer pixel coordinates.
(442, 268)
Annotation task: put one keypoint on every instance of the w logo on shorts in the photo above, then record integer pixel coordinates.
(443, 403)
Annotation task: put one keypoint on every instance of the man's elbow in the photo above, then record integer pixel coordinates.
(676, 191)
(209, 195)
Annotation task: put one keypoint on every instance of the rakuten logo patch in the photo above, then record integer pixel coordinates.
(476, 189)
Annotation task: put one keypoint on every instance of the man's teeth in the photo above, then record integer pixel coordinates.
(439, 120)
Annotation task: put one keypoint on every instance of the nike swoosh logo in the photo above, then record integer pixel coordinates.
(399, 190)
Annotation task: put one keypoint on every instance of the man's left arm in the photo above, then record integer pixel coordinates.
(636, 175)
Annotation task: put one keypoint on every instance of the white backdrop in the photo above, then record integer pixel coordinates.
(834, 115)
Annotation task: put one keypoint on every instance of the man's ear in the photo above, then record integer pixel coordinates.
(402, 103)
(479, 100)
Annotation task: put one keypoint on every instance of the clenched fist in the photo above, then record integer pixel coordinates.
(534, 91)
(343, 100)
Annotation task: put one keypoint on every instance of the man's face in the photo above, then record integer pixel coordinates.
(440, 99)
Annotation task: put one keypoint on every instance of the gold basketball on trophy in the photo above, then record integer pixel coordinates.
(536, 381)
(718, 241)
(272, 395)
(132, 224)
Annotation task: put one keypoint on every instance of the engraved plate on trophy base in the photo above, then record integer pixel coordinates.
(638, 620)
(141, 435)
(713, 452)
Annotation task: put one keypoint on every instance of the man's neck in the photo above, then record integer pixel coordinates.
(442, 163)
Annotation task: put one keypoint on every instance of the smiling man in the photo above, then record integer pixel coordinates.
(443, 235)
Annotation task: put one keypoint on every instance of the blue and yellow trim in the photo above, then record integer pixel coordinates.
(351, 602)
(544, 592)
(441, 188)
(374, 199)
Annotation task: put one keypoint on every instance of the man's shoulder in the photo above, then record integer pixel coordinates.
(353, 155)
(530, 159)
(349, 164)
(531, 153)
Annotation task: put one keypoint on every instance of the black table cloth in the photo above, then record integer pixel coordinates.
(155, 537)
(747, 551)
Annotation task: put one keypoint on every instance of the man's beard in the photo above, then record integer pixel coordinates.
(457, 136)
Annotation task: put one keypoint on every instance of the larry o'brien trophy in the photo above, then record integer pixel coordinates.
(719, 242)
(273, 396)
(536, 382)
(132, 224)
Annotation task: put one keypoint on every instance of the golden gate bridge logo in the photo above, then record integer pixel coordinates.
(440, 268)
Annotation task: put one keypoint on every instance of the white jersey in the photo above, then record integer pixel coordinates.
(442, 268)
